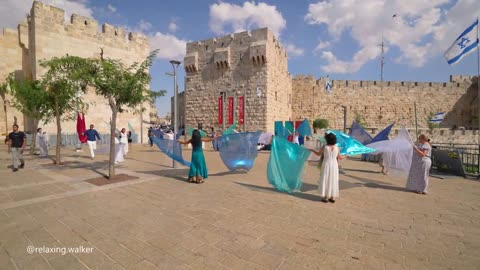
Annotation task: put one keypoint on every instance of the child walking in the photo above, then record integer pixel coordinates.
(328, 184)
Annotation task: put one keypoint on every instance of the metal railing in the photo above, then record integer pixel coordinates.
(469, 154)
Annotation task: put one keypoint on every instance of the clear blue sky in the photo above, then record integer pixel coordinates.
(338, 38)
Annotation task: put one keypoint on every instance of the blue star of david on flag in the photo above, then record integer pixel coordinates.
(466, 43)
(463, 43)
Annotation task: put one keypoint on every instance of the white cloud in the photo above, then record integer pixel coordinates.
(111, 8)
(14, 11)
(143, 26)
(321, 45)
(419, 31)
(225, 17)
(172, 26)
(170, 46)
(293, 50)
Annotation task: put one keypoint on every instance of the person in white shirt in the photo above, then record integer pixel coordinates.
(295, 138)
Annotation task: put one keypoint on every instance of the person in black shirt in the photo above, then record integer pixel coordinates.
(16, 144)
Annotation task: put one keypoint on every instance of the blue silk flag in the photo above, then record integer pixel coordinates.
(239, 150)
(280, 130)
(286, 164)
(383, 135)
(349, 146)
(134, 135)
(360, 134)
(304, 128)
(171, 148)
(289, 126)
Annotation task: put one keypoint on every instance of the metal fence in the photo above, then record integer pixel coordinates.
(469, 154)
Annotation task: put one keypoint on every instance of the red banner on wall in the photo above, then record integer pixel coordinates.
(230, 110)
(220, 110)
(241, 110)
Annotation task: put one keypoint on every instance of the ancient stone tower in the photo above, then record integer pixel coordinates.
(224, 72)
(45, 34)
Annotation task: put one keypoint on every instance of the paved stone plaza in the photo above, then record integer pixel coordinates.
(233, 221)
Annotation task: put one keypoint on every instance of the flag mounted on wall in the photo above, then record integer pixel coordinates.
(466, 43)
(437, 118)
(328, 85)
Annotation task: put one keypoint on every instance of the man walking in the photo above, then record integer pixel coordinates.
(16, 144)
(92, 136)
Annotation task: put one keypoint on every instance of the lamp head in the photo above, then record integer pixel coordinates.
(175, 62)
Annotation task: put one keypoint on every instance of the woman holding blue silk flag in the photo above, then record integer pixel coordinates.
(198, 167)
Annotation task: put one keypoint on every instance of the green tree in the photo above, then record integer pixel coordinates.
(124, 88)
(320, 124)
(359, 119)
(65, 81)
(431, 125)
(30, 98)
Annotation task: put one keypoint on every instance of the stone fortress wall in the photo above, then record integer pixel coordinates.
(236, 65)
(239, 63)
(46, 34)
(381, 104)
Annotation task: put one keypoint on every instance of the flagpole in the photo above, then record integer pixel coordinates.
(478, 77)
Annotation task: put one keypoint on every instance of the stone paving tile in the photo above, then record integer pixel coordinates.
(233, 221)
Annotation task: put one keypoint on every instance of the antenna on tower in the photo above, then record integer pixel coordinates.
(382, 60)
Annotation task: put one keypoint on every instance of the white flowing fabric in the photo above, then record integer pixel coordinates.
(119, 151)
(265, 138)
(397, 153)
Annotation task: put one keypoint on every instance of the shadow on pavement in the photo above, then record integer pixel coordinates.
(305, 196)
(228, 173)
(177, 174)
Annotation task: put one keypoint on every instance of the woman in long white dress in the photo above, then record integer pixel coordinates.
(328, 183)
(42, 142)
(124, 141)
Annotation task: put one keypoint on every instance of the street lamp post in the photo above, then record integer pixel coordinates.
(175, 65)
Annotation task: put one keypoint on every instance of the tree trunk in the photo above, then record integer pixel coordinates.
(6, 117)
(113, 126)
(34, 137)
(59, 134)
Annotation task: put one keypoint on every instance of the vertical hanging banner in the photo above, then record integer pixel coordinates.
(230, 110)
(220, 110)
(241, 110)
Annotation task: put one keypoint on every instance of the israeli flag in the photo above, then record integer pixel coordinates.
(328, 85)
(437, 118)
(466, 43)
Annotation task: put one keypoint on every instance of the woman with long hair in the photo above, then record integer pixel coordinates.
(198, 167)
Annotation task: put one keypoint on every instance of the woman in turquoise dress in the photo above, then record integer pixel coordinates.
(198, 168)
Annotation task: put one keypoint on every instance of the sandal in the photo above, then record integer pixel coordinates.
(324, 200)
(331, 200)
(191, 180)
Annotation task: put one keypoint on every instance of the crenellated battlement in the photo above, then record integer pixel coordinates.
(459, 82)
(49, 18)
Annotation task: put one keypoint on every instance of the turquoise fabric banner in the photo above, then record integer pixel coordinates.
(286, 164)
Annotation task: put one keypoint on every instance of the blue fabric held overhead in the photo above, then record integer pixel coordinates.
(171, 148)
(289, 127)
(348, 145)
(239, 150)
(383, 135)
(157, 133)
(134, 134)
(280, 130)
(360, 134)
(286, 164)
(304, 129)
